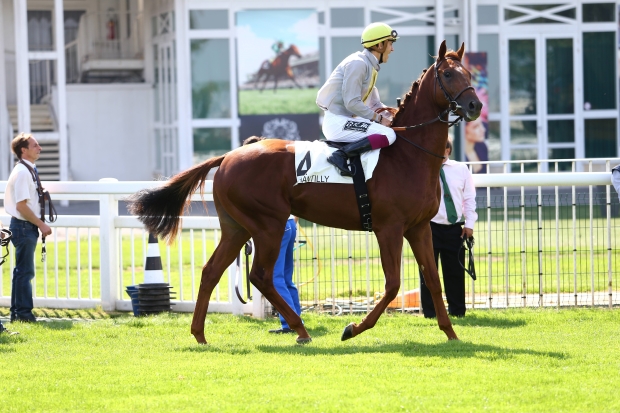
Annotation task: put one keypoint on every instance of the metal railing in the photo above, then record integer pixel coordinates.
(542, 239)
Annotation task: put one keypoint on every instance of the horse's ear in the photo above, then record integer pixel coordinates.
(442, 51)
(461, 51)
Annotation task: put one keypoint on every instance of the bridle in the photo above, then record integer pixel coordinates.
(453, 106)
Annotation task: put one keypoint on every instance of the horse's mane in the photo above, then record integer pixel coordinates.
(415, 86)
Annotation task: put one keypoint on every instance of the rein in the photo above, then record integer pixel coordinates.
(452, 108)
(4, 242)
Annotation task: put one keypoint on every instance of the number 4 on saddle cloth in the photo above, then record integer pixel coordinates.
(311, 166)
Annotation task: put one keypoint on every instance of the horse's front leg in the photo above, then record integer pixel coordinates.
(390, 246)
(421, 240)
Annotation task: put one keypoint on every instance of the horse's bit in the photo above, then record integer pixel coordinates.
(452, 107)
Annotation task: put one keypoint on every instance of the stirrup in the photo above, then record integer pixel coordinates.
(333, 160)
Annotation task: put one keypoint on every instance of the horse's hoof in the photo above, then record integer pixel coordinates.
(347, 333)
(303, 340)
(200, 338)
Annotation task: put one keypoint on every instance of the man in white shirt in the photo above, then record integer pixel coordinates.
(21, 201)
(615, 179)
(454, 221)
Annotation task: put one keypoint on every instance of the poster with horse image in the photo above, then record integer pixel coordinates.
(278, 61)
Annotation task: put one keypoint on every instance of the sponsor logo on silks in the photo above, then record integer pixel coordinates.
(356, 126)
(313, 178)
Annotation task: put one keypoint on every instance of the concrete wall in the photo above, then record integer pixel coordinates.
(110, 131)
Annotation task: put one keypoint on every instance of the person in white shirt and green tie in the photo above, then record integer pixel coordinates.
(453, 223)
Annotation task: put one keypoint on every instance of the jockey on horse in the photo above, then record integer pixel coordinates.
(351, 101)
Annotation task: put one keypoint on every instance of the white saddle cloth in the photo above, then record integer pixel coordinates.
(311, 163)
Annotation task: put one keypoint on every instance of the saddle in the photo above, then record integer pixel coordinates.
(360, 187)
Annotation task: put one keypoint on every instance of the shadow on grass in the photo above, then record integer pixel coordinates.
(7, 342)
(450, 349)
(56, 325)
(476, 320)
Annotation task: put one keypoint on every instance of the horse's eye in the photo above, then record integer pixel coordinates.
(447, 74)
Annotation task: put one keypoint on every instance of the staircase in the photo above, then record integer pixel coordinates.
(48, 164)
(40, 118)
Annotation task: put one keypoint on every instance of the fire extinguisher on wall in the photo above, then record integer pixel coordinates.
(111, 25)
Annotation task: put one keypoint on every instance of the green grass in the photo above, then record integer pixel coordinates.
(507, 361)
(298, 101)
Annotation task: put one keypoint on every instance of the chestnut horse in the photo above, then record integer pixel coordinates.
(277, 69)
(254, 192)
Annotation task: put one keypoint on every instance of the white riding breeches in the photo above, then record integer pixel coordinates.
(340, 128)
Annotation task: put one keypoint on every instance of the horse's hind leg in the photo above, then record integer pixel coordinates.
(390, 245)
(233, 238)
(267, 245)
(421, 241)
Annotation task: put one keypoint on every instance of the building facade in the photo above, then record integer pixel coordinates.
(137, 89)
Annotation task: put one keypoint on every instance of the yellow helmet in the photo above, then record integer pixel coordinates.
(375, 33)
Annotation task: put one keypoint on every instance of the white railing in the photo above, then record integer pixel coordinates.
(66, 278)
(91, 258)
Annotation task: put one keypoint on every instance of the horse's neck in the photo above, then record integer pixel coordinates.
(431, 137)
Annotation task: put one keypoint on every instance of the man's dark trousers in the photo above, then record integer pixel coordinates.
(446, 243)
(25, 236)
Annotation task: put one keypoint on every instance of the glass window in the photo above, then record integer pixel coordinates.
(523, 154)
(347, 17)
(344, 46)
(487, 15)
(40, 30)
(410, 57)
(510, 14)
(560, 96)
(561, 153)
(522, 67)
(154, 30)
(376, 16)
(599, 70)
(494, 142)
(601, 138)
(598, 12)
(561, 131)
(156, 81)
(523, 132)
(490, 43)
(210, 78)
(208, 19)
(210, 142)
(570, 13)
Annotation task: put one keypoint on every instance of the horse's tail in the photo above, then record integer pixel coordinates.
(159, 209)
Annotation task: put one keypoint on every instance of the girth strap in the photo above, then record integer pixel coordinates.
(361, 193)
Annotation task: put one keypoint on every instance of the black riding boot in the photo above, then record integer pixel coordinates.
(339, 157)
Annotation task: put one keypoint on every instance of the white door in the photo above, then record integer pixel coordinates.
(542, 103)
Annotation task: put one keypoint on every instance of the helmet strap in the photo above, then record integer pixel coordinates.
(381, 53)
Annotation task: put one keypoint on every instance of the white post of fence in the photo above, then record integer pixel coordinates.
(233, 273)
(108, 210)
